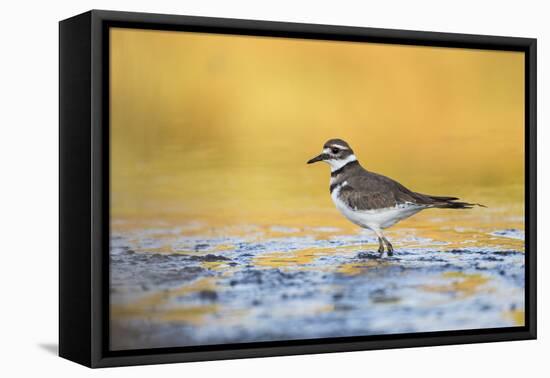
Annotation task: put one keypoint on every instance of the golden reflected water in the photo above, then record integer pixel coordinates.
(218, 124)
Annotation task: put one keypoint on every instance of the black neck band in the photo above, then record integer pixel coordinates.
(341, 169)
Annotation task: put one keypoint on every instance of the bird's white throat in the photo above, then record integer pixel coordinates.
(336, 164)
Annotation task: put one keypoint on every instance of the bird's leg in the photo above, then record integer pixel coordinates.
(388, 246)
(380, 240)
(380, 246)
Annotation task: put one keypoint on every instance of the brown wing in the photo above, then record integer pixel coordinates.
(381, 192)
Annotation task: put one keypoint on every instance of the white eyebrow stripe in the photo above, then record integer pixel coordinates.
(339, 146)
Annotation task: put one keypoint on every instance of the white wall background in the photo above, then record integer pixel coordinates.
(29, 186)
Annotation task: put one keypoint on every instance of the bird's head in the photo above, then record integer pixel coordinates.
(336, 152)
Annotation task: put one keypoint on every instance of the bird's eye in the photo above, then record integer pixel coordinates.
(335, 150)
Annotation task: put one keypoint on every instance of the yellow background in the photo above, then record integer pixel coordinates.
(218, 125)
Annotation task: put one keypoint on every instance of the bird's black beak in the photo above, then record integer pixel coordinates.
(317, 158)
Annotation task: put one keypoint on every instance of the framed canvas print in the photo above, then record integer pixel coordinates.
(234, 188)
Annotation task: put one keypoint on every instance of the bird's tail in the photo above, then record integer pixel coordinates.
(452, 203)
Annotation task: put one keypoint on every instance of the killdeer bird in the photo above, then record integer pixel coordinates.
(371, 200)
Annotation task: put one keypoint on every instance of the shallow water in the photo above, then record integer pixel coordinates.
(178, 282)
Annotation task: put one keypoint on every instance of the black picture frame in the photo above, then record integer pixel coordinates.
(84, 187)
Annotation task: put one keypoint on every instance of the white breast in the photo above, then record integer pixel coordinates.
(374, 219)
